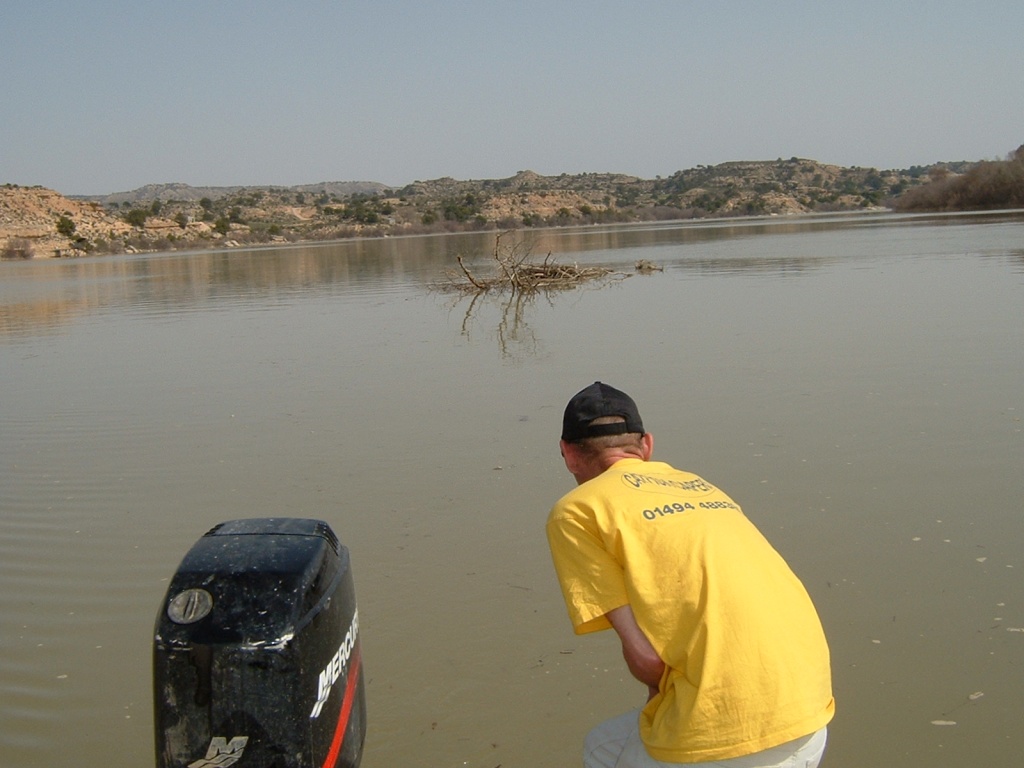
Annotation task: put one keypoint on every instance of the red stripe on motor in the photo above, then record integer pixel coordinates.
(346, 708)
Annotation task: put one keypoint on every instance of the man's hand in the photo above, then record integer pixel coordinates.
(641, 658)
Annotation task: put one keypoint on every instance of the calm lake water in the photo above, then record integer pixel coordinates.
(856, 383)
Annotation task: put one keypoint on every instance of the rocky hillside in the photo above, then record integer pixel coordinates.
(31, 223)
(40, 222)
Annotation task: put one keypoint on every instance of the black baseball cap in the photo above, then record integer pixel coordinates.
(596, 401)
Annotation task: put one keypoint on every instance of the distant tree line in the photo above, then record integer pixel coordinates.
(985, 186)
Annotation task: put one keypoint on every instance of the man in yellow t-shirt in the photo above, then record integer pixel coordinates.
(710, 616)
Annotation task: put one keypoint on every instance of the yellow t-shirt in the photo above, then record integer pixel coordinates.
(747, 664)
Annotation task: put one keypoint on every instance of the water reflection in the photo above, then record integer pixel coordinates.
(45, 296)
(512, 333)
(48, 294)
(169, 282)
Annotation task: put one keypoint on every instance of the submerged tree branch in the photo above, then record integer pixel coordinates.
(517, 275)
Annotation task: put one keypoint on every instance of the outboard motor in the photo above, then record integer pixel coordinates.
(256, 656)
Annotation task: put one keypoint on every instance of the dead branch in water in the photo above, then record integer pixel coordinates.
(516, 274)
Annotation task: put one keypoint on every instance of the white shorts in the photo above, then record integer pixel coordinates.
(616, 743)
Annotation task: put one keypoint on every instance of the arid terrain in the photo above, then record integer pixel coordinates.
(38, 222)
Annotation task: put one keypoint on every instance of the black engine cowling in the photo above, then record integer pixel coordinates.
(256, 657)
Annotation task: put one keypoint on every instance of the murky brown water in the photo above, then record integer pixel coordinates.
(854, 382)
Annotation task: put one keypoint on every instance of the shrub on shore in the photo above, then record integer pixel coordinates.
(17, 248)
(985, 186)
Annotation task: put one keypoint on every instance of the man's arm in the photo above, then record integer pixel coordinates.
(641, 658)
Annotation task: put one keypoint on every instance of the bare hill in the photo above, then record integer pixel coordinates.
(187, 193)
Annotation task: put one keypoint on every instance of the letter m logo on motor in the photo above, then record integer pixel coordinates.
(222, 752)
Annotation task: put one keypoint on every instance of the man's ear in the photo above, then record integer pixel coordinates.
(571, 456)
(647, 441)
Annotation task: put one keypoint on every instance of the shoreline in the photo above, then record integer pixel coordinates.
(58, 246)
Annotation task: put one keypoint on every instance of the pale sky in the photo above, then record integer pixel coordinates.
(102, 96)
